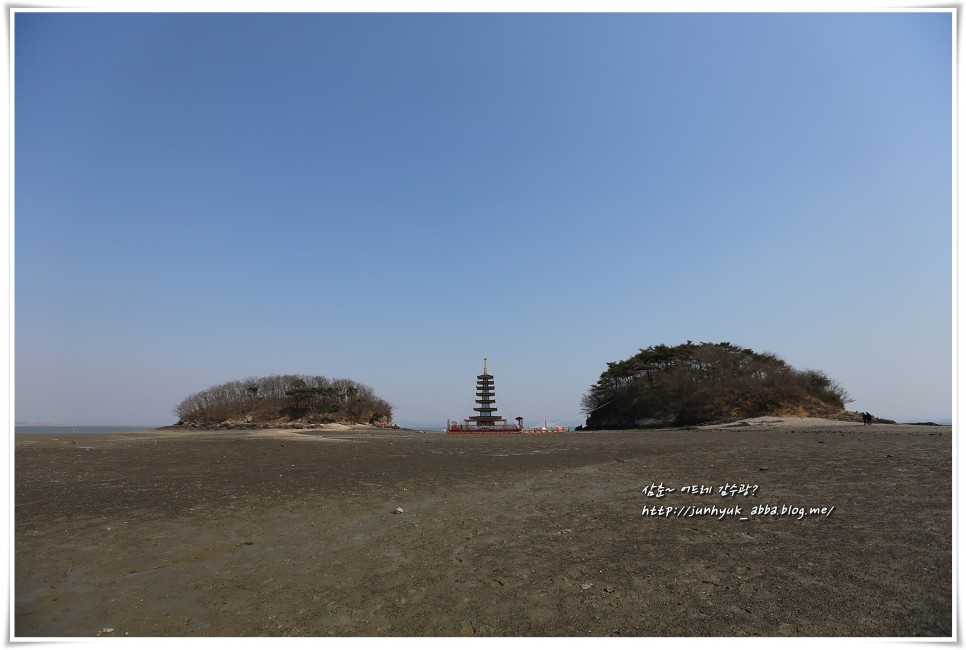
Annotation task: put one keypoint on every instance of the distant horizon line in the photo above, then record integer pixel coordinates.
(407, 422)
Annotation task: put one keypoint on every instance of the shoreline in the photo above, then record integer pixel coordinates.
(757, 422)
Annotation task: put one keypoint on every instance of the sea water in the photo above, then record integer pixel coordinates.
(76, 430)
(422, 425)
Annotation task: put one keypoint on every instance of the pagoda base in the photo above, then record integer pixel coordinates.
(469, 427)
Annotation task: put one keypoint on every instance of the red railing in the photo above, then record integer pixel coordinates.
(503, 428)
(499, 428)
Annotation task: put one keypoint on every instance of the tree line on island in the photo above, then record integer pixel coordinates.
(282, 399)
(696, 383)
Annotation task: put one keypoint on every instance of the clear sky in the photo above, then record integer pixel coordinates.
(391, 198)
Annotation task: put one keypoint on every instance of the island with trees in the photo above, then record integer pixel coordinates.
(697, 383)
(282, 401)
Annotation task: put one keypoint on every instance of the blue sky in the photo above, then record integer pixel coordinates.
(392, 197)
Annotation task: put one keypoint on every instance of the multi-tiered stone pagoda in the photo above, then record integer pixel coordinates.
(486, 420)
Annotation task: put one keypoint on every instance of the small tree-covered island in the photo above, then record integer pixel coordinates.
(697, 383)
(284, 400)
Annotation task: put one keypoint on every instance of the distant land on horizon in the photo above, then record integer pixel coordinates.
(18, 423)
(406, 424)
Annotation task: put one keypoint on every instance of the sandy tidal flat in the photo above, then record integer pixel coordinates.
(297, 533)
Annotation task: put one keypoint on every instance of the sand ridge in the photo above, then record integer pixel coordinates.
(783, 422)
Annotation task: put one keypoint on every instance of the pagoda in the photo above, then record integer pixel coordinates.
(486, 420)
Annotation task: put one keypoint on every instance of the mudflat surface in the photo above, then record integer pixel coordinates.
(293, 533)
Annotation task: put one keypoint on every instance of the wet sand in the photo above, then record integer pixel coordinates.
(290, 533)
